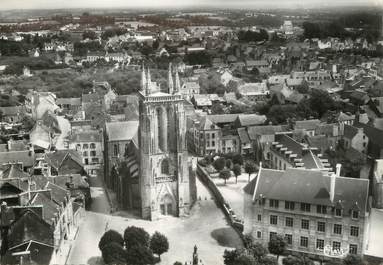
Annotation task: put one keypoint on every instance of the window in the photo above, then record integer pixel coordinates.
(259, 234)
(92, 153)
(259, 217)
(289, 205)
(305, 224)
(289, 239)
(304, 241)
(305, 207)
(322, 209)
(85, 153)
(86, 161)
(212, 143)
(273, 219)
(85, 146)
(78, 147)
(338, 212)
(320, 244)
(274, 203)
(337, 229)
(289, 221)
(355, 214)
(335, 245)
(321, 227)
(353, 249)
(213, 136)
(165, 166)
(95, 160)
(92, 146)
(115, 150)
(354, 231)
(272, 234)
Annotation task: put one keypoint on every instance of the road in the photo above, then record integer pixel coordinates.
(205, 227)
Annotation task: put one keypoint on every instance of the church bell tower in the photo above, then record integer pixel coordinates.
(164, 172)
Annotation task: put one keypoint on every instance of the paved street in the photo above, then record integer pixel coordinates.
(206, 227)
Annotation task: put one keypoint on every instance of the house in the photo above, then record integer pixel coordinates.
(254, 91)
(41, 137)
(189, 89)
(318, 214)
(13, 114)
(202, 101)
(307, 126)
(61, 162)
(377, 184)
(89, 146)
(375, 143)
(26, 159)
(40, 102)
(355, 137)
(246, 147)
(224, 76)
(69, 105)
(258, 64)
(246, 120)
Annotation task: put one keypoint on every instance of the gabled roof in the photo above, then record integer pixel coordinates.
(50, 208)
(57, 158)
(29, 226)
(121, 131)
(14, 171)
(311, 186)
(243, 135)
(251, 119)
(307, 124)
(58, 193)
(350, 131)
(255, 131)
(25, 157)
(374, 135)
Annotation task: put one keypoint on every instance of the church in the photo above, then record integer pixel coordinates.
(146, 161)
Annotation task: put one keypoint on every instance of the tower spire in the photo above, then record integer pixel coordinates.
(143, 78)
(178, 83)
(170, 80)
(148, 82)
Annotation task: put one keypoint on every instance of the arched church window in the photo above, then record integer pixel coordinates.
(165, 166)
(160, 129)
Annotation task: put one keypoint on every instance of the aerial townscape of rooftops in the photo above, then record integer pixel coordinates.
(224, 133)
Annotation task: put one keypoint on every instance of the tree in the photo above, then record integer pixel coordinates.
(268, 261)
(353, 260)
(277, 245)
(245, 259)
(219, 163)
(237, 170)
(89, 34)
(230, 256)
(229, 163)
(321, 102)
(217, 108)
(136, 236)
(159, 244)
(113, 253)
(250, 167)
(258, 251)
(109, 237)
(238, 159)
(140, 255)
(225, 174)
(297, 260)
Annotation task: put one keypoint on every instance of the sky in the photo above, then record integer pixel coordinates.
(49, 4)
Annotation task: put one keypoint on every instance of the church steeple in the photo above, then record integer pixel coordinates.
(178, 83)
(148, 83)
(143, 79)
(170, 80)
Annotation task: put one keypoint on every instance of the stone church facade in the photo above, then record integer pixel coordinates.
(159, 150)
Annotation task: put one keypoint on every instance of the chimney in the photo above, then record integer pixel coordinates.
(333, 181)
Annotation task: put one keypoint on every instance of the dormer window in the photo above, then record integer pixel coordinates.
(355, 214)
(338, 212)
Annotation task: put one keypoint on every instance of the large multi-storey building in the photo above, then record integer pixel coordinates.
(318, 214)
